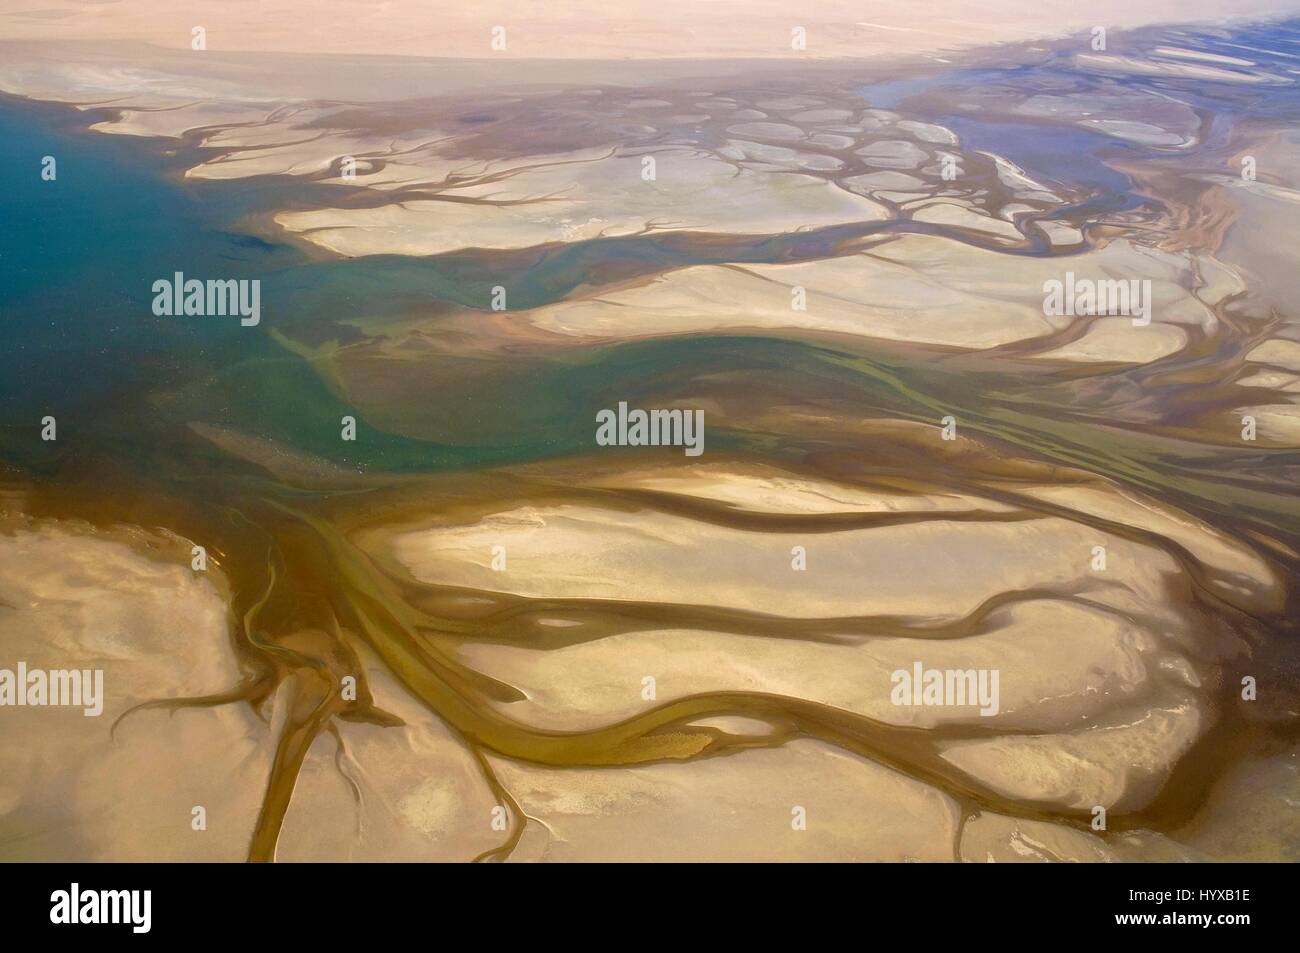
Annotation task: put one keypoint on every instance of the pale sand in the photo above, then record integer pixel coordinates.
(584, 196)
(75, 598)
(1275, 424)
(601, 191)
(856, 810)
(916, 288)
(1099, 661)
(1263, 244)
(735, 725)
(1131, 66)
(898, 293)
(957, 216)
(1272, 380)
(880, 181)
(764, 489)
(1251, 813)
(1236, 573)
(1182, 54)
(1131, 115)
(998, 839)
(1239, 575)
(934, 569)
(306, 138)
(1278, 352)
(1060, 233)
(1121, 766)
(593, 28)
(1019, 181)
(893, 154)
(419, 794)
(1117, 340)
(172, 121)
(136, 75)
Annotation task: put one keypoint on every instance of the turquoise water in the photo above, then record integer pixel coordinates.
(78, 257)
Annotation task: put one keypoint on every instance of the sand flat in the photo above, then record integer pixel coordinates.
(76, 599)
(580, 552)
(1120, 767)
(1097, 660)
(855, 810)
(917, 288)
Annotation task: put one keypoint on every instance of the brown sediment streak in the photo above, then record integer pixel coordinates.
(377, 608)
(308, 577)
(518, 819)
